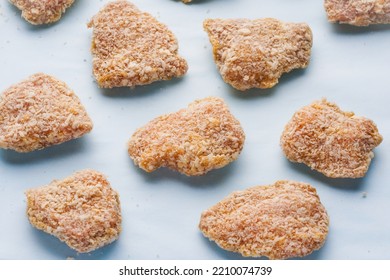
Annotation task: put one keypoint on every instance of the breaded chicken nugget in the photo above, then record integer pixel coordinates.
(42, 11)
(358, 12)
(278, 221)
(193, 141)
(39, 112)
(81, 210)
(335, 143)
(255, 53)
(131, 48)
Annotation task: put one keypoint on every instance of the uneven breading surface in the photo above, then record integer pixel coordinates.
(81, 210)
(255, 53)
(193, 141)
(358, 12)
(335, 143)
(39, 112)
(278, 221)
(132, 48)
(42, 11)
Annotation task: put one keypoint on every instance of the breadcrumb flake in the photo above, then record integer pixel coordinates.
(39, 112)
(81, 210)
(336, 143)
(39, 12)
(278, 221)
(131, 48)
(193, 141)
(358, 12)
(255, 53)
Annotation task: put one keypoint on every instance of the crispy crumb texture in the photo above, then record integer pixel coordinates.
(255, 53)
(193, 141)
(278, 221)
(131, 48)
(81, 210)
(42, 11)
(336, 143)
(38, 112)
(358, 12)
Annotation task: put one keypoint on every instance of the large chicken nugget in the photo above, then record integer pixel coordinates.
(358, 12)
(42, 11)
(278, 221)
(131, 48)
(255, 53)
(39, 112)
(193, 141)
(81, 210)
(336, 143)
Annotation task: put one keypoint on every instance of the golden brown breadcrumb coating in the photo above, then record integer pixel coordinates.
(358, 12)
(42, 11)
(81, 210)
(193, 141)
(255, 53)
(39, 112)
(278, 221)
(131, 48)
(335, 143)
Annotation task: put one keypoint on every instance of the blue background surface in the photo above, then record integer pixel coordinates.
(161, 210)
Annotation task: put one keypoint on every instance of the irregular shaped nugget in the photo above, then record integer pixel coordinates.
(39, 112)
(335, 143)
(358, 12)
(255, 53)
(132, 48)
(42, 11)
(278, 221)
(193, 141)
(81, 210)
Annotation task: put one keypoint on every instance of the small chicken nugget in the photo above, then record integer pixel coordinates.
(335, 143)
(131, 48)
(358, 12)
(39, 112)
(187, 1)
(193, 141)
(278, 221)
(255, 53)
(42, 11)
(81, 210)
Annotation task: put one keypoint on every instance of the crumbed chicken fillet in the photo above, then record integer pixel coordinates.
(132, 48)
(255, 53)
(336, 143)
(81, 210)
(278, 221)
(42, 11)
(193, 141)
(38, 112)
(358, 12)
